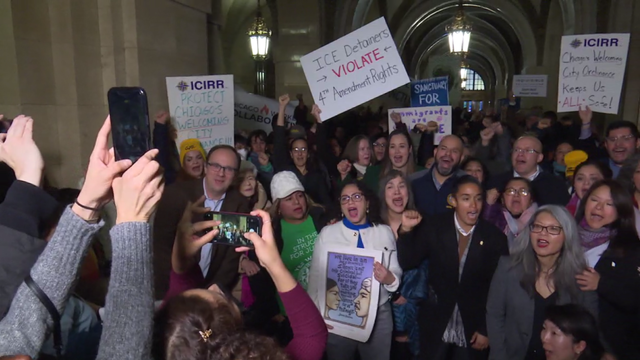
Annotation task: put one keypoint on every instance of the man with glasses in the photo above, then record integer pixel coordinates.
(526, 157)
(621, 141)
(218, 263)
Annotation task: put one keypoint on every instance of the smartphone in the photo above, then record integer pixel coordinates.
(129, 110)
(233, 226)
(5, 124)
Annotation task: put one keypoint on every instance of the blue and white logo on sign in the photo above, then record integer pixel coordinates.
(183, 86)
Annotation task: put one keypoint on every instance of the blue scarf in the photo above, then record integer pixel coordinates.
(357, 228)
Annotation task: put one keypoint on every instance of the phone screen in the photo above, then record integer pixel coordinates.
(233, 227)
(129, 122)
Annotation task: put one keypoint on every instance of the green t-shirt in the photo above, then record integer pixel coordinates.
(299, 241)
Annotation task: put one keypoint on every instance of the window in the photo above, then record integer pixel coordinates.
(474, 82)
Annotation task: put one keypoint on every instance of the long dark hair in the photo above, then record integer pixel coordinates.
(312, 161)
(604, 170)
(387, 165)
(485, 171)
(374, 203)
(239, 179)
(624, 236)
(580, 324)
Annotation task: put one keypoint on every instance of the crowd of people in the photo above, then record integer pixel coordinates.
(515, 237)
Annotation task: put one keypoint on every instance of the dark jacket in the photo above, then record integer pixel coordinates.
(619, 302)
(7, 177)
(435, 239)
(168, 152)
(316, 181)
(224, 259)
(547, 188)
(510, 311)
(262, 286)
(429, 200)
(25, 209)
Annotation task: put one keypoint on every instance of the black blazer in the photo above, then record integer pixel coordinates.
(435, 239)
(619, 302)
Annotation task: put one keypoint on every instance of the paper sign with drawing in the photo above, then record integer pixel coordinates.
(350, 302)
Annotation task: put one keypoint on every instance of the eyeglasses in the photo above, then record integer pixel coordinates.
(522, 151)
(344, 199)
(624, 138)
(299, 149)
(551, 230)
(225, 169)
(512, 192)
(380, 145)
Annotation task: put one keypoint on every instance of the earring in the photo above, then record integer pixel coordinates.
(367, 211)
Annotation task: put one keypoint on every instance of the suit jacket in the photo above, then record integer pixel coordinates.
(436, 239)
(510, 311)
(224, 259)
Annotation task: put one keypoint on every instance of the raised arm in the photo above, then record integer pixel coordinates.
(128, 326)
(412, 245)
(280, 158)
(28, 322)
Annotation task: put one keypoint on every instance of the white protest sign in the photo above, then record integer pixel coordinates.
(354, 69)
(530, 85)
(202, 107)
(350, 302)
(423, 115)
(253, 112)
(592, 71)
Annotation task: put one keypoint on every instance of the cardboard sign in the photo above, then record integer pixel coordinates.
(592, 71)
(430, 92)
(530, 85)
(253, 112)
(349, 293)
(354, 69)
(202, 107)
(423, 115)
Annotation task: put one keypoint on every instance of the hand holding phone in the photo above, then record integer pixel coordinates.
(233, 227)
(129, 111)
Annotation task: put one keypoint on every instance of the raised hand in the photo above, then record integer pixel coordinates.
(102, 169)
(432, 126)
(492, 196)
(162, 117)
(137, 193)
(20, 152)
(585, 115)
(263, 159)
(188, 243)
(315, 111)
(410, 219)
(284, 101)
(396, 117)
(344, 167)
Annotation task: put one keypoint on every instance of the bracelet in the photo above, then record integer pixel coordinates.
(86, 207)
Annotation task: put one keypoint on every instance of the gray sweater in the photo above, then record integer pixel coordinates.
(128, 328)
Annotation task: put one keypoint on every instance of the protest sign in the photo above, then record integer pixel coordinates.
(202, 107)
(430, 92)
(253, 112)
(441, 115)
(350, 301)
(530, 85)
(354, 69)
(592, 71)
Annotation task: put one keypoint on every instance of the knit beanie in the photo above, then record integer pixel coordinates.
(189, 145)
(284, 184)
(573, 159)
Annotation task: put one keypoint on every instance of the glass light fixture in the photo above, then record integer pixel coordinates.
(459, 32)
(259, 37)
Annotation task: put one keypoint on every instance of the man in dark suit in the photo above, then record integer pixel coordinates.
(219, 263)
(526, 156)
(463, 252)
